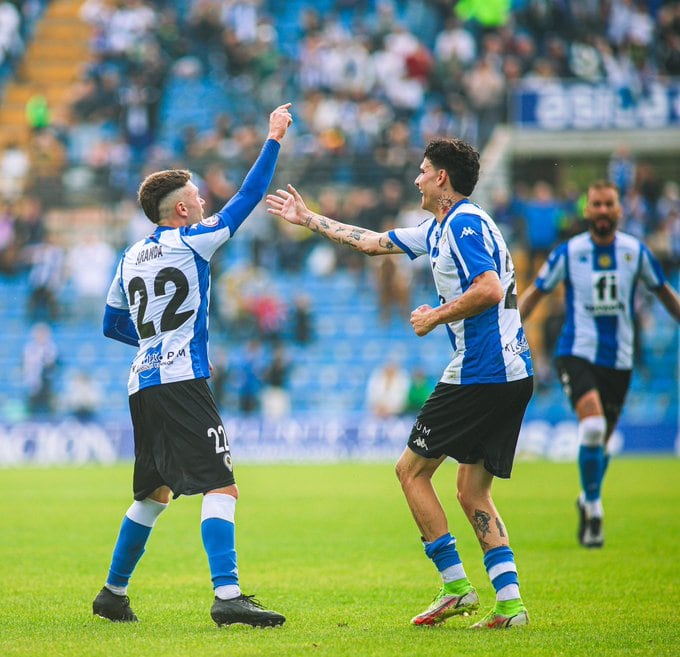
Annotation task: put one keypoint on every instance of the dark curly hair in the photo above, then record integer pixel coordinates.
(157, 186)
(458, 159)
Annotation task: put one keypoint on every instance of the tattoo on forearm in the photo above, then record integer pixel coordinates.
(353, 236)
(386, 243)
(501, 529)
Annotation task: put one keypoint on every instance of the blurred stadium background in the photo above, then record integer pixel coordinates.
(94, 94)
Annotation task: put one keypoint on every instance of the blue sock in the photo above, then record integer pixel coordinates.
(218, 533)
(127, 552)
(605, 465)
(500, 565)
(445, 557)
(591, 467)
(443, 552)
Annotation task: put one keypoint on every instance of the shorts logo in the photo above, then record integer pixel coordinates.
(420, 442)
(566, 384)
(467, 231)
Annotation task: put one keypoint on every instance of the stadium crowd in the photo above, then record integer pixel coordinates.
(371, 81)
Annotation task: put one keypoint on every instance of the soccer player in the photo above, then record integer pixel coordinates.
(600, 270)
(475, 411)
(158, 301)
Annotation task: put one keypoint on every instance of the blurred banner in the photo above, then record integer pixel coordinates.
(558, 105)
(308, 438)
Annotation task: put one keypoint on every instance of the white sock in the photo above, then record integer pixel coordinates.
(227, 592)
(594, 509)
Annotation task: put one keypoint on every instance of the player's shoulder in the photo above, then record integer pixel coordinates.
(628, 240)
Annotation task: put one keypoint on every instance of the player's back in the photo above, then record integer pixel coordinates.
(167, 287)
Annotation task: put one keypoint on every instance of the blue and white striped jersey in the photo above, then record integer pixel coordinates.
(600, 283)
(163, 281)
(489, 347)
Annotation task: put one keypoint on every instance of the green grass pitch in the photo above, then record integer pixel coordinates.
(334, 548)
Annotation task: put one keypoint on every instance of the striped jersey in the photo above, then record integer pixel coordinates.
(490, 347)
(163, 281)
(600, 284)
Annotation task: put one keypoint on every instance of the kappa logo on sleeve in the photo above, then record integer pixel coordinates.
(468, 231)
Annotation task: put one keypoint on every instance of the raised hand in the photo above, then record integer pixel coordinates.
(279, 122)
(288, 205)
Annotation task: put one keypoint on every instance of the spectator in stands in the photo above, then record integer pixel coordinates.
(393, 281)
(485, 88)
(542, 215)
(275, 396)
(46, 279)
(14, 166)
(37, 113)
(247, 372)
(40, 362)
(11, 43)
(622, 168)
(420, 388)
(600, 270)
(8, 251)
(47, 157)
(301, 320)
(82, 397)
(475, 412)
(387, 390)
(90, 262)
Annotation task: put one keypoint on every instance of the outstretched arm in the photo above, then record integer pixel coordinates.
(529, 300)
(289, 205)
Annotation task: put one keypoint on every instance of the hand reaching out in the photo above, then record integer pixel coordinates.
(288, 205)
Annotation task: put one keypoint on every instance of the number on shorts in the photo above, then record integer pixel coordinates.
(221, 444)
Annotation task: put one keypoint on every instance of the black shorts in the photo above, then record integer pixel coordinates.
(578, 376)
(180, 441)
(473, 422)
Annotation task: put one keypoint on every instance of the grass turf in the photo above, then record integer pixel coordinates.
(334, 548)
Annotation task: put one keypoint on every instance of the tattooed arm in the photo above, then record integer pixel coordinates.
(289, 205)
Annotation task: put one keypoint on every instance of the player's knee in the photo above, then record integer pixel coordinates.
(592, 430)
(231, 490)
(400, 471)
(146, 512)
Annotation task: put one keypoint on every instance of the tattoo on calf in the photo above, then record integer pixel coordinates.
(501, 529)
(481, 521)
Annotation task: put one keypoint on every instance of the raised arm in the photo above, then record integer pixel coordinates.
(259, 177)
(289, 205)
